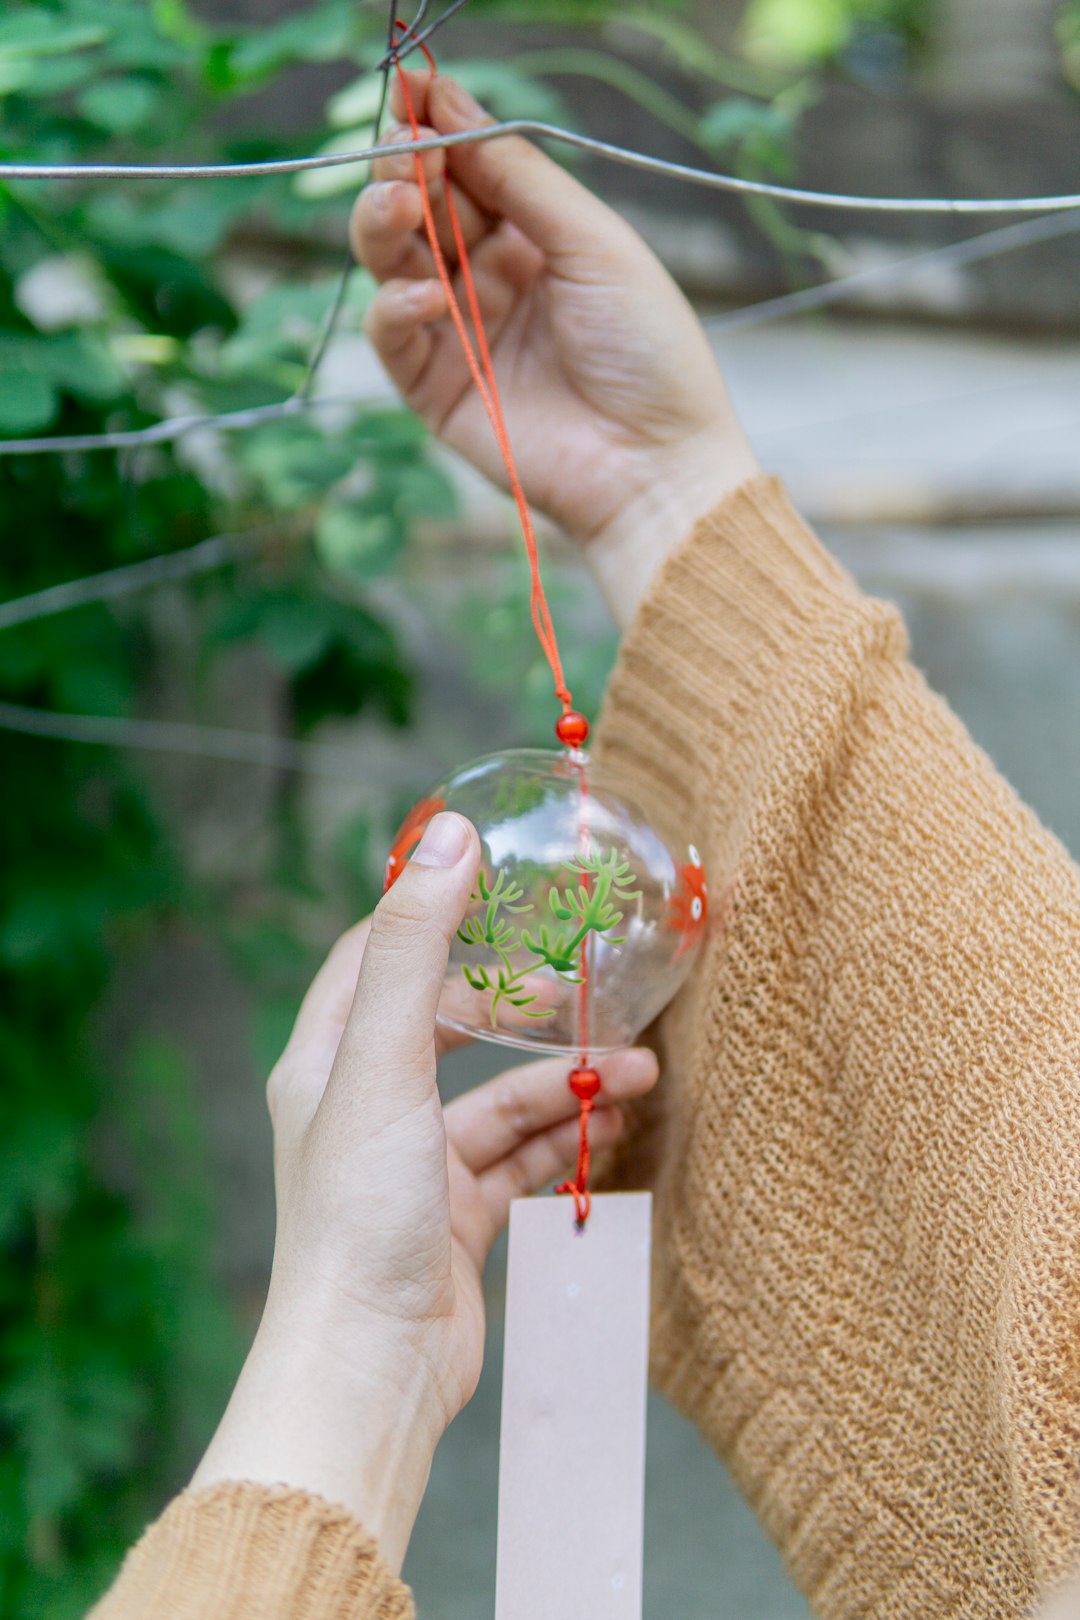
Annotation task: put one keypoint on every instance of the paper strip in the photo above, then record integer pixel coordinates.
(572, 1465)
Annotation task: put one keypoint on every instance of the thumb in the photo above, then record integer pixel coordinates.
(389, 1038)
(512, 179)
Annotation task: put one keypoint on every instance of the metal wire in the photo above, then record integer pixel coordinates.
(1025, 233)
(1008, 238)
(147, 574)
(174, 427)
(413, 40)
(711, 179)
(180, 737)
(348, 266)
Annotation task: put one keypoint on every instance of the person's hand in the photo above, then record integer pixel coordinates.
(617, 412)
(372, 1337)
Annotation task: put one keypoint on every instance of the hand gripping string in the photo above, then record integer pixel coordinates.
(482, 370)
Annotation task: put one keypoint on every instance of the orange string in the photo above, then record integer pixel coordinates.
(482, 371)
(579, 1187)
(583, 987)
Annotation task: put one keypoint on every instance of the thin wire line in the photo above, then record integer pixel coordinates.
(413, 40)
(973, 248)
(345, 274)
(180, 737)
(148, 573)
(968, 251)
(329, 327)
(174, 427)
(711, 179)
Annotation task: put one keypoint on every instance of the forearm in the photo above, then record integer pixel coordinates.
(308, 1411)
(672, 490)
(865, 1151)
(307, 1494)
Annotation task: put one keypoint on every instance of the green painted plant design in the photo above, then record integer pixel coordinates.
(591, 907)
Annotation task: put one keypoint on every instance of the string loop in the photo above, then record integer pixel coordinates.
(482, 370)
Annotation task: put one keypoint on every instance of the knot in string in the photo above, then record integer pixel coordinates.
(585, 1084)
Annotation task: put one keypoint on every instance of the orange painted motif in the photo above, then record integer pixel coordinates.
(412, 830)
(689, 905)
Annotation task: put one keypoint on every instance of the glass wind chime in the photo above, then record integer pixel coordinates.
(587, 913)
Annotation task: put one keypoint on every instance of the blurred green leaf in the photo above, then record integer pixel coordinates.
(795, 33)
(292, 463)
(508, 91)
(357, 104)
(35, 31)
(285, 321)
(338, 178)
(28, 400)
(118, 105)
(350, 537)
(320, 33)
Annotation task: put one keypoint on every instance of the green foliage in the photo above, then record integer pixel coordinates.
(505, 981)
(592, 907)
(116, 1343)
(805, 33)
(1068, 34)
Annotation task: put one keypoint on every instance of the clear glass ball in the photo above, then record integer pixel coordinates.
(586, 915)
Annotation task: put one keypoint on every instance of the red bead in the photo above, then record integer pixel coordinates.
(572, 729)
(584, 1083)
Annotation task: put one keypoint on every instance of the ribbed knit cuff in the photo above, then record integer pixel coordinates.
(241, 1551)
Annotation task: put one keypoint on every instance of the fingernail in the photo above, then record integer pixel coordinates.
(444, 842)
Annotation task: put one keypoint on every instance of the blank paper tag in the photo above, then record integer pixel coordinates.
(572, 1465)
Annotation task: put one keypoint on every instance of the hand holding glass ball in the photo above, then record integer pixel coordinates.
(586, 915)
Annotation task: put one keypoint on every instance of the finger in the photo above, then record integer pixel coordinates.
(388, 234)
(302, 1070)
(492, 1121)
(473, 223)
(503, 267)
(510, 178)
(384, 231)
(420, 81)
(402, 165)
(387, 1054)
(540, 1161)
(398, 322)
(325, 1007)
(400, 168)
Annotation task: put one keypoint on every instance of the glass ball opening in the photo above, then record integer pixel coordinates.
(586, 915)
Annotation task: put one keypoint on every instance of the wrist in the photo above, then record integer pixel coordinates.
(352, 1422)
(676, 486)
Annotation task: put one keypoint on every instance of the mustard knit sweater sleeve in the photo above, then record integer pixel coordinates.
(866, 1140)
(254, 1552)
(865, 1143)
